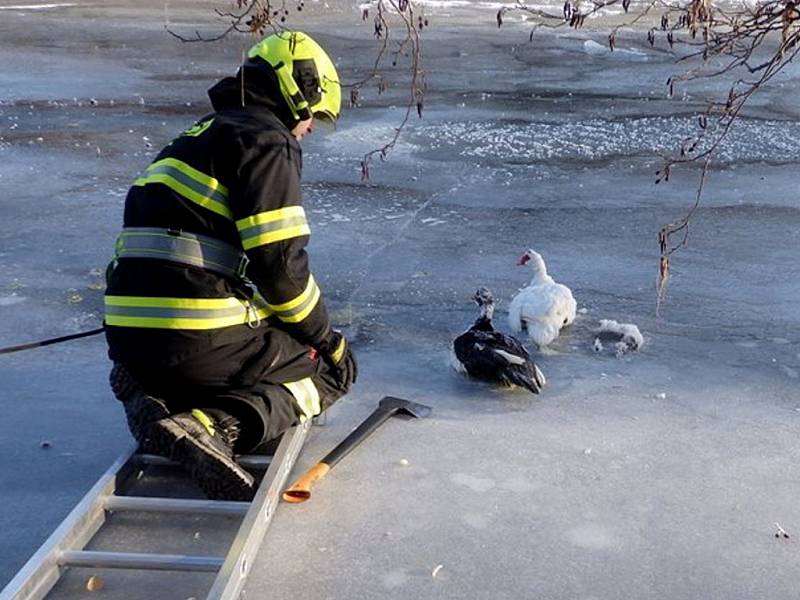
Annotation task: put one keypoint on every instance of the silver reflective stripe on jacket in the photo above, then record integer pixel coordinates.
(181, 247)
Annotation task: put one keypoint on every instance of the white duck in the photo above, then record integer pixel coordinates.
(544, 307)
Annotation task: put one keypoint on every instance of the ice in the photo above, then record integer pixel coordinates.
(35, 7)
(657, 475)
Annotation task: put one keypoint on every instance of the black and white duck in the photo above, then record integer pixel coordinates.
(483, 353)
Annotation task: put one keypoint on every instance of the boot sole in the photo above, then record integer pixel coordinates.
(220, 477)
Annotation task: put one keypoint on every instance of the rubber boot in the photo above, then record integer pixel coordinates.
(141, 409)
(202, 442)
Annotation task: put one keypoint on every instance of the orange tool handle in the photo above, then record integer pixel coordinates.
(300, 490)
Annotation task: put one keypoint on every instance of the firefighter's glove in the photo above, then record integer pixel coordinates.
(335, 350)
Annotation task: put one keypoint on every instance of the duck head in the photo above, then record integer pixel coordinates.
(483, 297)
(535, 261)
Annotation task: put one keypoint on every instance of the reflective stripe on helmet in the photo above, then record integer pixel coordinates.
(273, 226)
(306, 395)
(182, 313)
(181, 247)
(190, 183)
(297, 103)
(299, 307)
(314, 68)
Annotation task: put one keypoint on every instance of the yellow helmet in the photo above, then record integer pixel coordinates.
(308, 80)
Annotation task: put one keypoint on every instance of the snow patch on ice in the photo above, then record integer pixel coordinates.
(519, 485)
(394, 579)
(476, 521)
(747, 344)
(592, 47)
(11, 300)
(476, 484)
(35, 6)
(592, 537)
(600, 139)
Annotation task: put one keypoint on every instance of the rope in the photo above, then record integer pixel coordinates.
(57, 340)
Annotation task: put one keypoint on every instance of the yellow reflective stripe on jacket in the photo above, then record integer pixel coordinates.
(300, 307)
(273, 226)
(190, 183)
(306, 395)
(182, 313)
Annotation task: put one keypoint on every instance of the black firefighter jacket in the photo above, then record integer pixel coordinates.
(235, 177)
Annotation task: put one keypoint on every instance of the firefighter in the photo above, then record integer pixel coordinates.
(216, 326)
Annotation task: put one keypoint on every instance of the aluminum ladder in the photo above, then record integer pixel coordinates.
(121, 573)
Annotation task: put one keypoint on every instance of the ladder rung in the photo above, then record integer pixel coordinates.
(176, 505)
(131, 560)
(248, 461)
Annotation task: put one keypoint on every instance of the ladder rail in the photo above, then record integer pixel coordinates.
(38, 576)
(231, 577)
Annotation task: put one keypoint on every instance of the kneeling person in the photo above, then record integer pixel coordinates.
(218, 331)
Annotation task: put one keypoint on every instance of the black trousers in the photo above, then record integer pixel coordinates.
(246, 382)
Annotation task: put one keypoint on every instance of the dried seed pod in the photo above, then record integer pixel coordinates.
(354, 97)
(95, 583)
(612, 40)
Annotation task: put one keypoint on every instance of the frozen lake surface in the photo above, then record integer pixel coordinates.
(657, 475)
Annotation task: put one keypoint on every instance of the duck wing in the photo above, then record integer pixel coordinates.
(519, 369)
(494, 356)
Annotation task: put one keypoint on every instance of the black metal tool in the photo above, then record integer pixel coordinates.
(300, 490)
